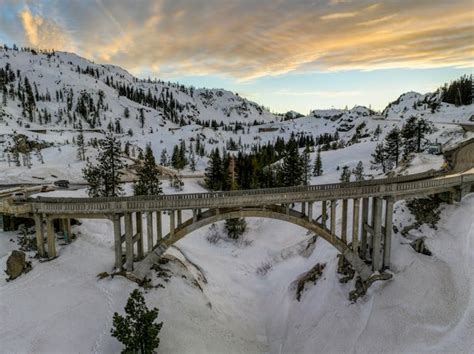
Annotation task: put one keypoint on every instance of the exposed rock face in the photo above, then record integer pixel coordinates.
(311, 276)
(420, 247)
(17, 265)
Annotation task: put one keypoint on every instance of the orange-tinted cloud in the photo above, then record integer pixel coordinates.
(250, 38)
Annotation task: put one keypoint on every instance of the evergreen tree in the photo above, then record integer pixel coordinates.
(213, 175)
(235, 227)
(358, 171)
(104, 178)
(392, 147)
(176, 158)
(126, 112)
(148, 182)
(377, 132)
(306, 166)
(164, 158)
(291, 169)
(318, 164)
(378, 157)
(137, 331)
(192, 161)
(81, 146)
(345, 175)
(413, 132)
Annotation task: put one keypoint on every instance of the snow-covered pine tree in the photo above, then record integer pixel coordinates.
(214, 175)
(104, 178)
(358, 171)
(81, 146)
(345, 174)
(318, 164)
(378, 157)
(306, 165)
(392, 147)
(291, 168)
(148, 182)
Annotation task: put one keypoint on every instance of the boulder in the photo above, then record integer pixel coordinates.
(17, 264)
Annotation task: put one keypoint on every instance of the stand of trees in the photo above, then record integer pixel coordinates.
(148, 182)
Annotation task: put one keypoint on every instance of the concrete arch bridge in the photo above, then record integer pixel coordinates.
(366, 206)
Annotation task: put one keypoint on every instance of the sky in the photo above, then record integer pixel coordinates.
(285, 54)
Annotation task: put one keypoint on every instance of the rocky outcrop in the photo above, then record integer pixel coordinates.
(311, 276)
(17, 265)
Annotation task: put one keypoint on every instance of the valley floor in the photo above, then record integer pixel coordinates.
(248, 304)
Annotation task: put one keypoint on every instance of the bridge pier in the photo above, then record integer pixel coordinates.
(303, 208)
(388, 231)
(51, 237)
(195, 214)
(365, 219)
(172, 224)
(159, 226)
(149, 230)
(128, 242)
(324, 214)
(117, 240)
(344, 221)
(355, 226)
(39, 234)
(310, 211)
(138, 219)
(180, 216)
(333, 219)
(377, 234)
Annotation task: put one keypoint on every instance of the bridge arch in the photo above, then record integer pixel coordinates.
(272, 212)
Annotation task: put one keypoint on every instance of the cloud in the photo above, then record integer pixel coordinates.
(318, 93)
(43, 33)
(250, 38)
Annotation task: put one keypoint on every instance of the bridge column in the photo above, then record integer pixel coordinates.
(195, 215)
(388, 232)
(117, 241)
(310, 211)
(149, 230)
(344, 221)
(363, 236)
(377, 234)
(172, 225)
(66, 227)
(128, 241)
(51, 238)
(159, 228)
(333, 219)
(355, 226)
(39, 234)
(303, 208)
(180, 216)
(324, 214)
(138, 216)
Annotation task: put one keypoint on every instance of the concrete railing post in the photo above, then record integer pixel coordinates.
(128, 242)
(377, 234)
(149, 230)
(388, 232)
(117, 241)
(51, 238)
(344, 221)
(39, 234)
(355, 226)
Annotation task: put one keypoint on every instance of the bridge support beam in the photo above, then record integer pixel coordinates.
(139, 226)
(180, 216)
(310, 211)
(377, 234)
(388, 232)
(159, 226)
(66, 227)
(303, 208)
(195, 214)
(128, 242)
(149, 230)
(39, 234)
(51, 238)
(344, 221)
(117, 241)
(355, 226)
(363, 236)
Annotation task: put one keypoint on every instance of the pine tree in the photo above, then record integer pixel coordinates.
(164, 158)
(137, 331)
(213, 175)
(104, 178)
(176, 158)
(148, 182)
(81, 146)
(392, 147)
(291, 169)
(306, 165)
(192, 161)
(412, 133)
(318, 164)
(378, 157)
(358, 171)
(235, 227)
(377, 132)
(345, 175)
